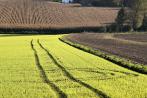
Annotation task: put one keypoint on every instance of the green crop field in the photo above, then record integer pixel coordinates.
(41, 66)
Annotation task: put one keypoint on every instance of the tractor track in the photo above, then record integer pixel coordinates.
(43, 75)
(71, 77)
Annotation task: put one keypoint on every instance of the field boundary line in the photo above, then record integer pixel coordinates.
(71, 77)
(43, 75)
(140, 68)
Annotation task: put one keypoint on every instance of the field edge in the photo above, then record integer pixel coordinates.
(140, 68)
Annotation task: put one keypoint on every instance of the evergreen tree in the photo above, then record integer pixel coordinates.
(144, 26)
(121, 18)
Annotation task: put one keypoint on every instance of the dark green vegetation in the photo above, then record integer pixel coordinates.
(134, 16)
(100, 3)
(113, 49)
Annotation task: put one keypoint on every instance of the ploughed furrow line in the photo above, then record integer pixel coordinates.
(71, 77)
(43, 75)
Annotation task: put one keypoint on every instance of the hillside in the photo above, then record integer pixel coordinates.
(42, 14)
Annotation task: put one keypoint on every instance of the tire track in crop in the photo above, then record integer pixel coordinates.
(71, 77)
(43, 75)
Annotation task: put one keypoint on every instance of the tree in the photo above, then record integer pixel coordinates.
(144, 26)
(137, 13)
(121, 19)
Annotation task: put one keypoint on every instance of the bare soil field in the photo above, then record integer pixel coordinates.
(135, 37)
(42, 14)
(129, 46)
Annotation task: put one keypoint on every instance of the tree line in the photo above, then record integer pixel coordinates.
(96, 2)
(99, 2)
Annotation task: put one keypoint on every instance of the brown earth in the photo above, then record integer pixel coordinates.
(135, 37)
(130, 46)
(42, 14)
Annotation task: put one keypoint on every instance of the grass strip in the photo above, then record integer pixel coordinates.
(110, 57)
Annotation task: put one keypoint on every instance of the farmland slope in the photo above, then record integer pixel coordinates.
(42, 14)
(43, 66)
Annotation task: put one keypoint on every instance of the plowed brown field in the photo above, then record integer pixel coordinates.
(129, 46)
(42, 14)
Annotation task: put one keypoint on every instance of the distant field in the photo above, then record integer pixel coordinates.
(44, 67)
(128, 46)
(134, 37)
(42, 14)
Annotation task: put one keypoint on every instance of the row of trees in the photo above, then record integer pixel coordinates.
(99, 2)
(96, 2)
(134, 16)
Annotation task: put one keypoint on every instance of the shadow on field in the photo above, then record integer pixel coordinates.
(14, 35)
(51, 30)
(21, 35)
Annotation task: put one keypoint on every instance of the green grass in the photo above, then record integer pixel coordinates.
(44, 67)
